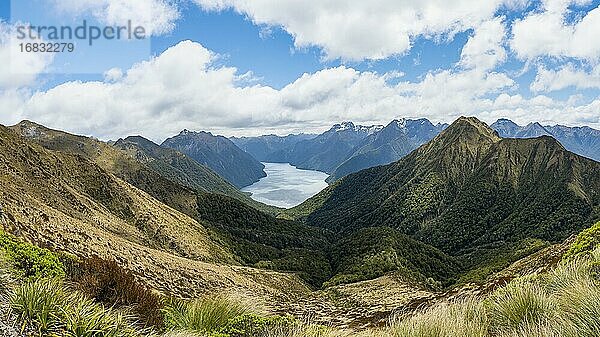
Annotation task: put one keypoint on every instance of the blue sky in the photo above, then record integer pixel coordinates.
(288, 66)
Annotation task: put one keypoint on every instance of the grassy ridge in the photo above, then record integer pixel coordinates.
(50, 295)
(564, 302)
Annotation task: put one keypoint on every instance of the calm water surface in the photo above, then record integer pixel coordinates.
(286, 186)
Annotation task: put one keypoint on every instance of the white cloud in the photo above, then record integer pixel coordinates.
(113, 75)
(156, 16)
(19, 69)
(156, 97)
(548, 80)
(182, 88)
(547, 33)
(357, 30)
(484, 50)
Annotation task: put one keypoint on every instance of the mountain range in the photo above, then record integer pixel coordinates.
(584, 140)
(269, 148)
(477, 198)
(461, 207)
(387, 145)
(220, 154)
(325, 151)
(347, 148)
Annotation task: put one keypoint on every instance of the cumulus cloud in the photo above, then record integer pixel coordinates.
(113, 75)
(548, 80)
(156, 16)
(175, 90)
(548, 33)
(184, 88)
(357, 30)
(19, 69)
(484, 49)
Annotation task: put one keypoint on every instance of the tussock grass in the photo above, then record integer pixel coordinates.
(580, 308)
(444, 320)
(203, 315)
(46, 306)
(108, 283)
(37, 303)
(181, 334)
(85, 318)
(541, 329)
(519, 305)
(306, 331)
(569, 273)
(564, 302)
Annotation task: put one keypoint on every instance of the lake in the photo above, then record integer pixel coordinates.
(286, 186)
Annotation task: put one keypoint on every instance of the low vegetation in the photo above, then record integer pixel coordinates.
(49, 295)
(262, 241)
(564, 302)
(586, 242)
(375, 251)
(97, 298)
(29, 260)
(107, 283)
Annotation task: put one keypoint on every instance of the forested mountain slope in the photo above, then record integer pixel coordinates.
(471, 194)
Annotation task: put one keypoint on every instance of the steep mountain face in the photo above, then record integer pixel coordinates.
(183, 170)
(396, 140)
(270, 148)
(42, 187)
(115, 161)
(254, 238)
(326, 151)
(584, 141)
(471, 194)
(220, 154)
(177, 166)
(66, 202)
(345, 148)
(508, 129)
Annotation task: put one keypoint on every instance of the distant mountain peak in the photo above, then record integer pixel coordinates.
(403, 123)
(400, 123)
(187, 132)
(220, 154)
(584, 141)
(27, 122)
(30, 129)
(139, 141)
(199, 134)
(505, 120)
(350, 126)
